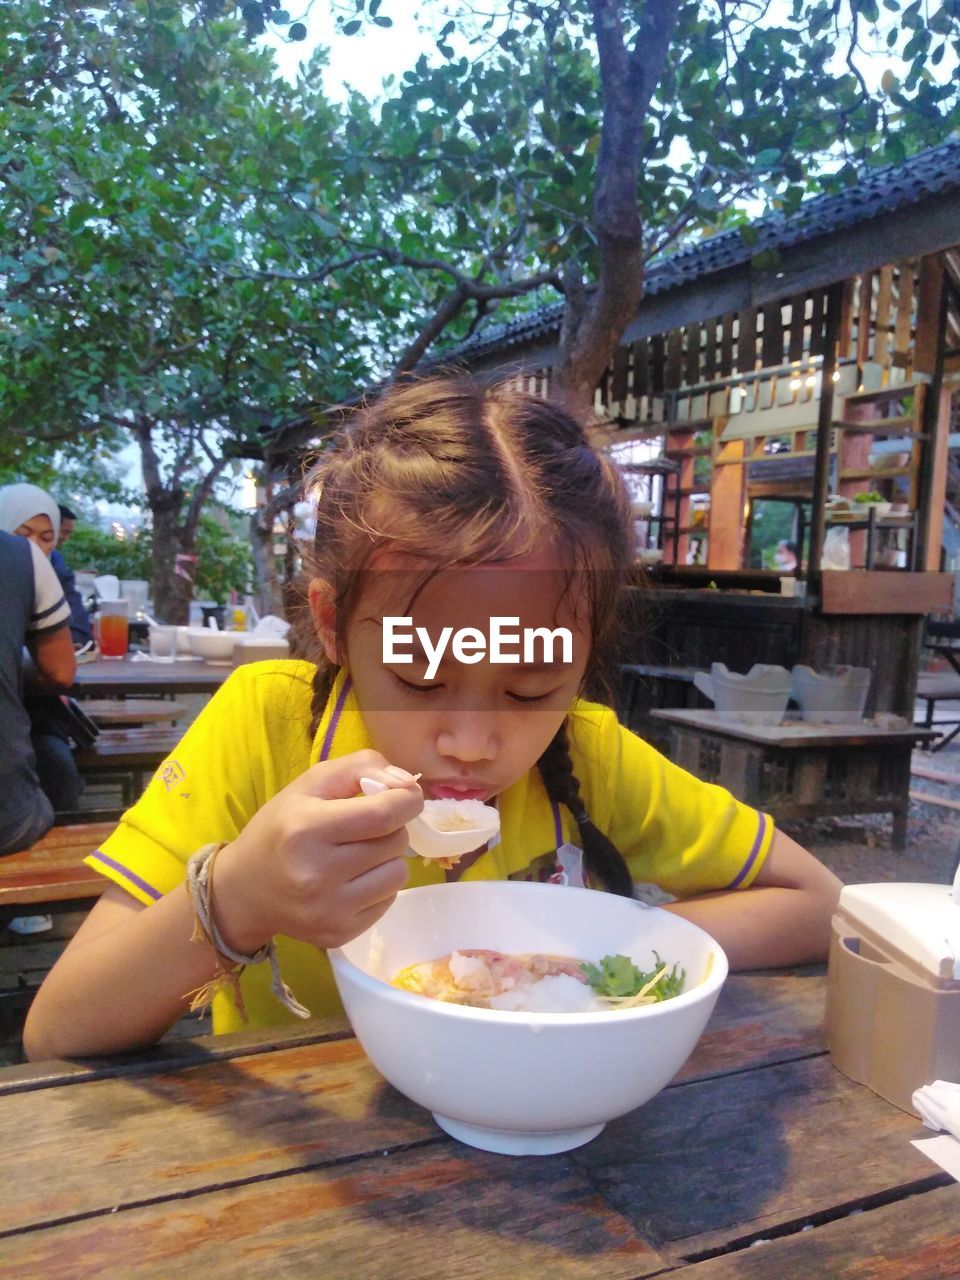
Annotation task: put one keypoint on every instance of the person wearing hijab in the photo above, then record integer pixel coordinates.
(31, 513)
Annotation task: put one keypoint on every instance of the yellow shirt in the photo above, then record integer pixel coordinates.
(253, 739)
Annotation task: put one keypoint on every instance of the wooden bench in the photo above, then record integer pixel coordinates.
(51, 873)
(132, 712)
(129, 755)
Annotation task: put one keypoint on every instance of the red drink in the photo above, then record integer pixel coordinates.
(114, 635)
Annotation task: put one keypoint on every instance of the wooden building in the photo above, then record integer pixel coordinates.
(812, 361)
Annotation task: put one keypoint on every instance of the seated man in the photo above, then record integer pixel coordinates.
(81, 628)
(35, 614)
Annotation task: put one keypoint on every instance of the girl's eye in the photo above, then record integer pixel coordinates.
(416, 688)
(538, 697)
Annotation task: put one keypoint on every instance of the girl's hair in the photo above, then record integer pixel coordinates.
(455, 472)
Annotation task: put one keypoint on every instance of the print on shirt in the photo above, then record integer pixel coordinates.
(558, 866)
(171, 773)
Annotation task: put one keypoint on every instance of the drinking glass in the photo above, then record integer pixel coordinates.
(114, 628)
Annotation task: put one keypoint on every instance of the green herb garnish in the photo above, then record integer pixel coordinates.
(618, 978)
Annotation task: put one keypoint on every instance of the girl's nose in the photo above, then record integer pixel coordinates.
(468, 737)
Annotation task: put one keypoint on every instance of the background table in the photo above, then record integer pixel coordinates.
(112, 677)
(287, 1156)
(798, 769)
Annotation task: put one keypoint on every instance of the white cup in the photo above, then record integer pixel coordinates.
(163, 643)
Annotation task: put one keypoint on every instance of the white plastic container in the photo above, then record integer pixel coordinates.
(759, 697)
(893, 988)
(837, 696)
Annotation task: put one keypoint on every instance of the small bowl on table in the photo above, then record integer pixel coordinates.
(524, 1083)
(213, 646)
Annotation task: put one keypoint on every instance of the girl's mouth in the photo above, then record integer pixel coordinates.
(439, 791)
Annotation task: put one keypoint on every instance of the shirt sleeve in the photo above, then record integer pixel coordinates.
(50, 608)
(231, 760)
(674, 830)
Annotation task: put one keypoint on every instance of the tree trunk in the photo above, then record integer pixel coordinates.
(174, 561)
(593, 326)
(269, 589)
(176, 517)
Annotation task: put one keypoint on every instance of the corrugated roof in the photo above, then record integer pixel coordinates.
(879, 191)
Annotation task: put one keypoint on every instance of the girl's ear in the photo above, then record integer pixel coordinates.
(324, 614)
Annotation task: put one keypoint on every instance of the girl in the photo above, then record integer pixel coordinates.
(444, 505)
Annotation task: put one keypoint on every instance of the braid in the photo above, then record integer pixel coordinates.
(601, 855)
(322, 684)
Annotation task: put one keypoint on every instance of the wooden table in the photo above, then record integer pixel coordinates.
(112, 677)
(288, 1156)
(798, 769)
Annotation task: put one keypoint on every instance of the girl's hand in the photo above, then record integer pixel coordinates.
(318, 862)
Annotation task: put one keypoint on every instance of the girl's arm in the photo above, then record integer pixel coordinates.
(317, 862)
(782, 919)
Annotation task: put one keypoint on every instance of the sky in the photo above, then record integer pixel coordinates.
(361, 61)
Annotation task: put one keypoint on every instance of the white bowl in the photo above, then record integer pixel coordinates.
(212, 646)
(521, 1083)
(759, 697)
(832, 697)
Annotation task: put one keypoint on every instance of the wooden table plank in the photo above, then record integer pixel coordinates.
(761, 1019)
(445, 1212)
(751, 1152)
(919, 1240)
(188, 1130)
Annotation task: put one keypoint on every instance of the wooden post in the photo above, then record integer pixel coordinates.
(931, 520)
(932, 481)
(727, 493)
(821, 473)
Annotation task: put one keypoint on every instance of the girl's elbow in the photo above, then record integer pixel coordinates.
(40, 1042)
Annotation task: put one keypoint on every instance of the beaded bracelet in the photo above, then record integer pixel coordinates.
(230, 963)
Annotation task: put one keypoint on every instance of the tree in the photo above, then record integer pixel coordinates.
(598, 131)
(160, 192)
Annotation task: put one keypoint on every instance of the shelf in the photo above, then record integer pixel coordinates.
(883, 426)
(690, 451)
(884, 393)
(888, 522)
(691, 529)
(688, 493)
(875, 473)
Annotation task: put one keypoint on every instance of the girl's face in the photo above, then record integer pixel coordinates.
(39, 529)
(471, 729)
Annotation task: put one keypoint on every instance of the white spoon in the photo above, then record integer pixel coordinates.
(427, 835)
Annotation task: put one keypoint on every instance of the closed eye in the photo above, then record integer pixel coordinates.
(416, 688)
(537, 697)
